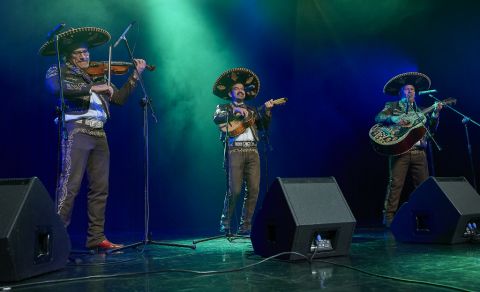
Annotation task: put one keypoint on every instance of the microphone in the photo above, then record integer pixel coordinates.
(427, 92)
(124, 33)
(55, 30)
(249, 88)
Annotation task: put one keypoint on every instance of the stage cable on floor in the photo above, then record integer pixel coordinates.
(309, 259)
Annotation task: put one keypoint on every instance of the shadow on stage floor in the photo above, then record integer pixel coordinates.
(376, 263)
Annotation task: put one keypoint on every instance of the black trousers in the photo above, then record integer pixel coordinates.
(414, 161)
(244, 174)
(85, 150)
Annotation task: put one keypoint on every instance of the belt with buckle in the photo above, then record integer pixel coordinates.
(244, 144)
(96, 124)
(417, 148)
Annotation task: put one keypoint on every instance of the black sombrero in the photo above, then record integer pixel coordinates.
(227, 79)
(91, 36)
(419, 80)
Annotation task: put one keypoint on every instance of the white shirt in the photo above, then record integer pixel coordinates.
(95, 111)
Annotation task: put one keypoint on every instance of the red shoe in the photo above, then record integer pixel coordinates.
(106, 244)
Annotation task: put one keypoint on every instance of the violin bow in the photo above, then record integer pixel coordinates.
(109, 64)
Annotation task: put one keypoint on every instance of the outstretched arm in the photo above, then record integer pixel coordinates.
(120, 96)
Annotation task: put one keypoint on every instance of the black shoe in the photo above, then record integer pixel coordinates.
(228, 233)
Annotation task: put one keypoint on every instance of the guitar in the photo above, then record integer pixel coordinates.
(238, 127)
(397, 139)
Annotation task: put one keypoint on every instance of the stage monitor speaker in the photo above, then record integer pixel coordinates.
(438, 211)
(305, 215)
(33, 239)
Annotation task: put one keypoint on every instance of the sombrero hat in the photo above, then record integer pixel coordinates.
(227, 79)
(90, 36)
(419, 80)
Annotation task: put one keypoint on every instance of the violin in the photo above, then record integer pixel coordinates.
(97, 69)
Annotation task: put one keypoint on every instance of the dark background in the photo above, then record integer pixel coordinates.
(330, 58)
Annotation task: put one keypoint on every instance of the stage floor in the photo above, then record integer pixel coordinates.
(376, 263)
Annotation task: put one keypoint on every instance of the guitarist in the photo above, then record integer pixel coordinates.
(242, 161)
(413, 161)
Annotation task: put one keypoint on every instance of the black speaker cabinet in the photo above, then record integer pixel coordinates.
(304, 215)
(33, 239)
(438, 211)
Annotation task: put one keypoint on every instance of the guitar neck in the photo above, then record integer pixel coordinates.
(443, 102)
(278, 101)
(428, 109)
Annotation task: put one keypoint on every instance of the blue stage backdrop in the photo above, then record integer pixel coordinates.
(330, 58)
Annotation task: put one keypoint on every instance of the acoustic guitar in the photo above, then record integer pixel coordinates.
(238, 127)
(397, 139)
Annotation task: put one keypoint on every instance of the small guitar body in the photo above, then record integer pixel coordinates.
(236, 127)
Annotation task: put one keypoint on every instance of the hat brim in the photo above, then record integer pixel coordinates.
(419, 80)
(227, 79)
(91, 36)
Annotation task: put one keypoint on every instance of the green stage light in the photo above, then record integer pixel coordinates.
(190, 51)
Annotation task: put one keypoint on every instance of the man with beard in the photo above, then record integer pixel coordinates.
(242, 161)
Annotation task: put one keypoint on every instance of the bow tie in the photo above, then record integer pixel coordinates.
(239, 105)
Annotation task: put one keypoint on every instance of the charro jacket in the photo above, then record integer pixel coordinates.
(224, 111)
(397, 108)
(76, 89)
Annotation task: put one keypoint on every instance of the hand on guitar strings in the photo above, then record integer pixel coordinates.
(438, 106)
(240, 112)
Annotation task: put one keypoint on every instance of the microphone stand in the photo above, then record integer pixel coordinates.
(429, 134)
(146, 104)
(62, 131)
(465, 121)
(431, 164)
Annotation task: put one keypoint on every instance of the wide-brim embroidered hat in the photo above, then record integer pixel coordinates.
(419, 80)
(89, 36)
(227, 79)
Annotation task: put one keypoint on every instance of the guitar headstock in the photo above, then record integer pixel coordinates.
(279, 101)
(449, 101)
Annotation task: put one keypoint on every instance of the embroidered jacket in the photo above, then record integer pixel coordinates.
(397, 108)
(76, 89)
(262, 118)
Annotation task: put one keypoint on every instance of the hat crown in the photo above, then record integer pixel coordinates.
(227, 79)
(419, 80)
(90, 36)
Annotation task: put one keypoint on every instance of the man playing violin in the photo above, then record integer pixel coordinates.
(414, 161)
(87, 108)
(242, 161)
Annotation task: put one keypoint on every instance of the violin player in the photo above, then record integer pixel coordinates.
(242, 161)
(87, 108)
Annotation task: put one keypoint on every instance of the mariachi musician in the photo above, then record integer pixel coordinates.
(87, 102)
(240, 125)
(414, 160)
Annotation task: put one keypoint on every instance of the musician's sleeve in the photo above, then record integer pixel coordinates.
(220, 115)
(121, 95)
(70, 89)
(385, 116)
(432, 122)
(264, 118)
